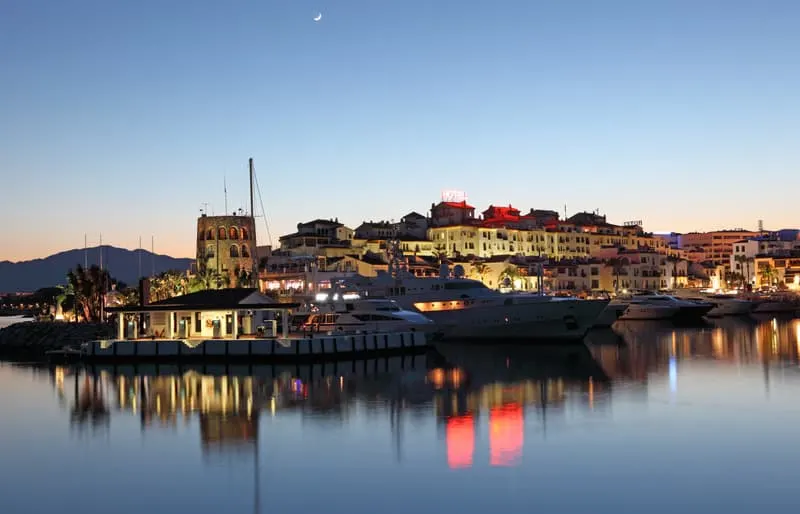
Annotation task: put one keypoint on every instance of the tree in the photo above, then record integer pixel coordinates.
(89, 286)
(510, 273)
(168, 284)
(744, 263)
(617, 264)
(769, 275)
(208, 279)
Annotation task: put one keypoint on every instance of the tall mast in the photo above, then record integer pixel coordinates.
(254, 270)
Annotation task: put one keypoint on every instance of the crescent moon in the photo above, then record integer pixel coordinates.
(318, 17)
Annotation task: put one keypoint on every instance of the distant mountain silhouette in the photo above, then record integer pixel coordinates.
(123, 265)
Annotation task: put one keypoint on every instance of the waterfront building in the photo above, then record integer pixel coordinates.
(779, 270)
(318, 237)
(715, 247)
(225, 244)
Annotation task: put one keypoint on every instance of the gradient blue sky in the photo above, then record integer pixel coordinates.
(122, 117)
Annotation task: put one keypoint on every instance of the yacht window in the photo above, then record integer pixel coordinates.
(362, 317)
(464, 285)
(393, 308)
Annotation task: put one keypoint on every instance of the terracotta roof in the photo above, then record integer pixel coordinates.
(457, 205)
(210, 299)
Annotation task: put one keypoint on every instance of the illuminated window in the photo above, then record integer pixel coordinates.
(233, 233)
(210, 234)
(245, 234)
(222, 233)
(234, 251)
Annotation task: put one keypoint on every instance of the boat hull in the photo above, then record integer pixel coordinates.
(551, 321)
(637, 312)
(730, 308)
(774, 307)
(610, 315)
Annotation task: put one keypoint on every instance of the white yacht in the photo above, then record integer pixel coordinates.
(467, 310)
(686, 310)
(639, 308)
(335, 313)
(726, 305)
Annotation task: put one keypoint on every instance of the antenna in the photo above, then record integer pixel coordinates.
(254, 269)
(225, 189)
(140, 257)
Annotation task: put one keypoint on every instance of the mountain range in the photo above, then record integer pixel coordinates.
(121, 263)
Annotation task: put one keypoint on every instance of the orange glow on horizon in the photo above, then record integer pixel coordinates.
(460, 436)
(506, 434)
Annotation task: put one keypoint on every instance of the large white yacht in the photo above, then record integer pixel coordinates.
(686, 310)
(640, 308)
(336, 313)
(467, 310)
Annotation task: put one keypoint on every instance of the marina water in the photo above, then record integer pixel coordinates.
(644, 418)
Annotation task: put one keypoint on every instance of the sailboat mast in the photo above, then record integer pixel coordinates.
(254, 270)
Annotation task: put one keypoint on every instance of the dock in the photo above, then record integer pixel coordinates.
(340, 346)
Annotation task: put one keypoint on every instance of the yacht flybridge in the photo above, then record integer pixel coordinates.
(467, 310)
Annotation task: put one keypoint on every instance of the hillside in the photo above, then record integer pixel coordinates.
(123, 265)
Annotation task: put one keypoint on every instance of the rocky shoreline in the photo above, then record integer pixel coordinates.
(31, 340)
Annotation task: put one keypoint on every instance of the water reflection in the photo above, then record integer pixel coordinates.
(653, 403)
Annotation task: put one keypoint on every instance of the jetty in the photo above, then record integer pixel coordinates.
(230, 324)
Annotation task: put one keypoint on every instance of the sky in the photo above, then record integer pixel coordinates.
(123, 119)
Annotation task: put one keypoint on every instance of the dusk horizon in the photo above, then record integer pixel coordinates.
(126, 120)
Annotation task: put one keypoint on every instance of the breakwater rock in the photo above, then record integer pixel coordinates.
(31, 340)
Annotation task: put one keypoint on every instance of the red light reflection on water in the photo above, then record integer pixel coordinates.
(506, 434)
(460, 435)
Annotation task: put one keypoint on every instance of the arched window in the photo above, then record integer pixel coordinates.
(222, 233)
(210, 252)
(234, 251)
(245, 251)
(210, 234)
(245, 233)
(233, 234)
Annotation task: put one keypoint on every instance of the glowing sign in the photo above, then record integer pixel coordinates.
(453, 195)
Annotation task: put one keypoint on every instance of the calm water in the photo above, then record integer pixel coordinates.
(648, 419)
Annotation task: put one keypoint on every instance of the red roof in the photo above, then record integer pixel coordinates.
(457, 205)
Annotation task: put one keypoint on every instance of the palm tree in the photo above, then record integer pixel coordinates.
(480, 269)
(768, 274)
(744, 264)
(89, 286)
(673, 261)
(617, 264)
(511, 273)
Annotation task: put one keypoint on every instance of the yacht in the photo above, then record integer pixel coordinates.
(686, 310)
(334, 313)
(774, 304)
(467, 310)
(639, 308)
(613, 311)
(725, 305)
